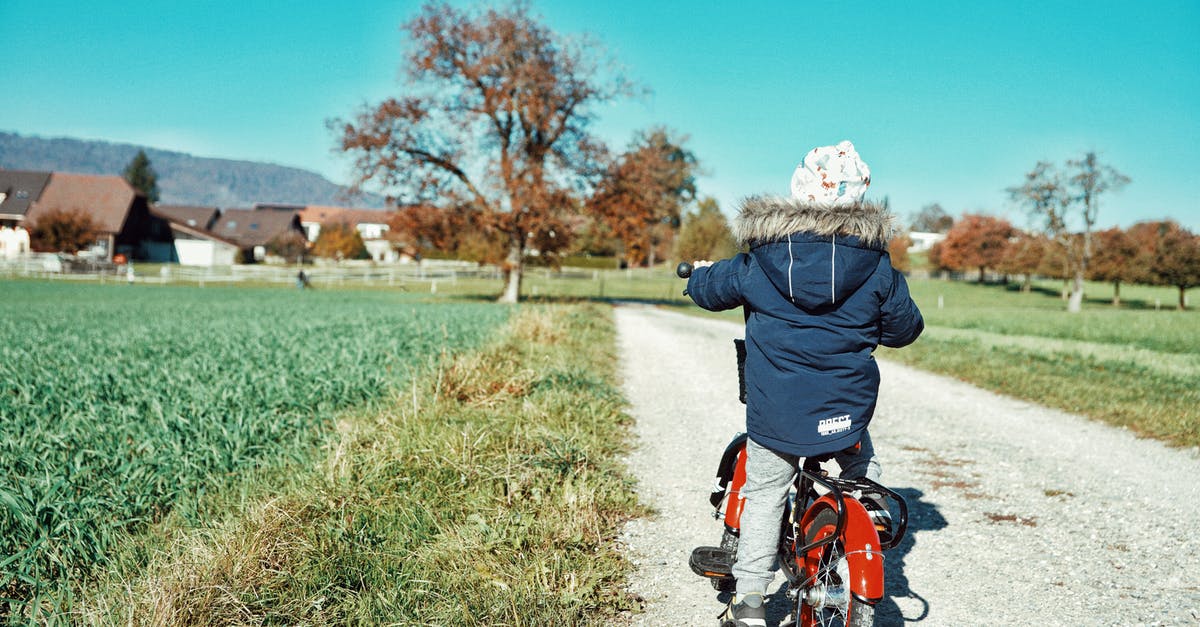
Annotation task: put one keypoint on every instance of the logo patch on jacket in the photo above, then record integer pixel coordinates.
(836, 424)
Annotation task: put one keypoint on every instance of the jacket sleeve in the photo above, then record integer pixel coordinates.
(901, 321)
(719, 286)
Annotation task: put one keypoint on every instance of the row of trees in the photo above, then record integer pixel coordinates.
(1064, 203)
(638, 237)
(1154, 253)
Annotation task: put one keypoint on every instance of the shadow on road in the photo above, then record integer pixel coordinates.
(922, 516)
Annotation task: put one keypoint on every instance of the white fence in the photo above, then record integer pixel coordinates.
(55, 267)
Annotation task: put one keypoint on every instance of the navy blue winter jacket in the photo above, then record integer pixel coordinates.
(820, 294)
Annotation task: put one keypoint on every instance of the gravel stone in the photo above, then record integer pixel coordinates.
(1019, 514)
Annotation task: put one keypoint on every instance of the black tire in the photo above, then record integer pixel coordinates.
(853, 613)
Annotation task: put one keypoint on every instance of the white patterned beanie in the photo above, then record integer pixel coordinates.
(832, 176)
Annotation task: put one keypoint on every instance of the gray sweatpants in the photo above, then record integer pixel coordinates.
(769, 476)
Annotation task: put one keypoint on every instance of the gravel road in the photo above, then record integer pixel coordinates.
(1020, 515)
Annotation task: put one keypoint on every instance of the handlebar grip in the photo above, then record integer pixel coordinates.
(683, 270)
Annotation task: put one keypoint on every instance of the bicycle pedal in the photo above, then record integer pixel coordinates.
(712, 561)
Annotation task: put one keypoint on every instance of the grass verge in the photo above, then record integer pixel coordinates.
(490, 492)
(1149, 400)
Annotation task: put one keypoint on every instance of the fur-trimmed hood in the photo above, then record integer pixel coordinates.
(815, 255)
(765, 219)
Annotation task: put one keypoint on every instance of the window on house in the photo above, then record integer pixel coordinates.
(254, 226)
(231, 225)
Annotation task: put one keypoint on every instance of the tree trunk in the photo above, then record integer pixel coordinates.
(1182, 298)
(981, 271)
(1116, 293)
(512, 288)
(1075, 305)
(1027, 284)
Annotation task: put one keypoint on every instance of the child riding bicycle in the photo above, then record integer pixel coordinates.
(819, 293)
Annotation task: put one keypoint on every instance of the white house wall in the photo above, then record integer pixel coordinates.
(199, 252)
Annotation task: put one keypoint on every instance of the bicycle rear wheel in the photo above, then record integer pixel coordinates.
(824, 597)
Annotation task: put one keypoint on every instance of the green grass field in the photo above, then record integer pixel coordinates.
(1133, 366)
(121, 404)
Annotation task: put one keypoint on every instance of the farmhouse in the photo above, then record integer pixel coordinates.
(121, 215)
(923, 241)
(371, 224)
(18, 190)
(251, 230)
(195, 244)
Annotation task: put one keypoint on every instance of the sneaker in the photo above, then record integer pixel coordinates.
(877, 507)
(749, 612)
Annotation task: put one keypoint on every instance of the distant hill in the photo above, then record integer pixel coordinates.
(182, 178)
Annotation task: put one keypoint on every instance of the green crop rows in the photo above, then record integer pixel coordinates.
(119, 404)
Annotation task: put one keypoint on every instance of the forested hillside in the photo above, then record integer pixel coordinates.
(182, 178)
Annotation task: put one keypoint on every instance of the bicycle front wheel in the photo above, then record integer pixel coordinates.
(825, 598)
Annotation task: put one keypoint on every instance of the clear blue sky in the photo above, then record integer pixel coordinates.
(948, 102)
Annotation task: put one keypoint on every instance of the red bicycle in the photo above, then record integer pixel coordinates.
(831, 552)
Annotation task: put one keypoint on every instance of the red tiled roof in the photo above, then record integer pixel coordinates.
(325, 215)
(107, 199)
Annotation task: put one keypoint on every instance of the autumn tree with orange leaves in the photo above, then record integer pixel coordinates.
(1117, 260)
(642, 194)
(898, 251)
(339, 240)
(976, 241)
(63, 230)
(1023, 256)
(1172, 254)
(494, 117)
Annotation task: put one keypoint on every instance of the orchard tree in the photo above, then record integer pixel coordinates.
(1023, 255)
(1059, 200)
(141, 175)
(426, 227)
(290, 246)
(643, 192)
(934, 257)
(705, 234)
(339, 240)
(494, 116)
(932, 219)
(1088, 180)
(1117, 259)
(976, 241)
(898, 251)
(62, 230)
(1174, 255)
